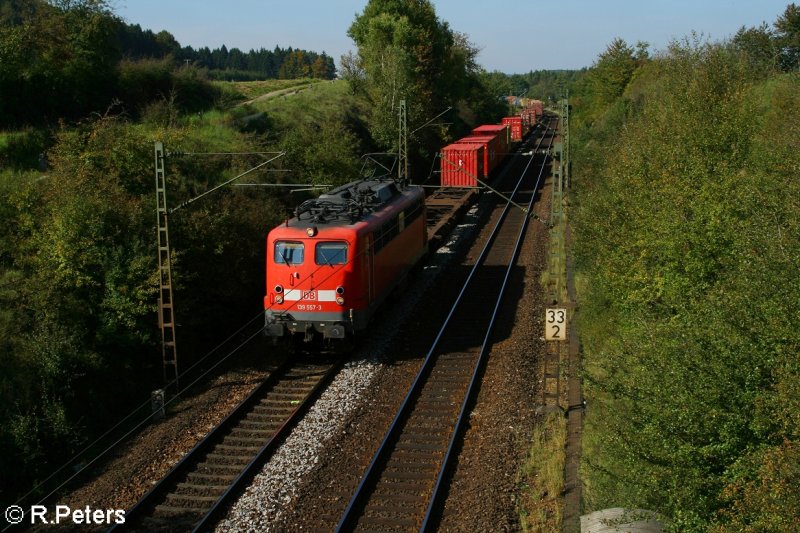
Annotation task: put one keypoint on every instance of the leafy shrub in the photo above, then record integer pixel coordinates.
(143, 82)
(25, 149)
(685, 231)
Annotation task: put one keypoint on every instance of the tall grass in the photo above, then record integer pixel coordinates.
(542, 476)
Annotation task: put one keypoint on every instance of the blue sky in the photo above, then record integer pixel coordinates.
(514, 36)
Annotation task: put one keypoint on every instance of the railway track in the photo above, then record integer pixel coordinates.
(401, 488)
(194, 494)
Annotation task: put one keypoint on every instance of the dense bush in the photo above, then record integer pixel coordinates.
(687, 240)
(24, 149)
(77, 281)
(55, 61)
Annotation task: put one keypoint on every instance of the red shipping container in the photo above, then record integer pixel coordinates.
(526, 123)
(502, 133)
(532, 113)
(515, 125)
(495, 129)
(491, 156)
(462, 165)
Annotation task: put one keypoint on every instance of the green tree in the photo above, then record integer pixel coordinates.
(353, 73)
(77, 299)
(498, 84)
(295, 66)
(613, 70)
(166, 43)
(56, 60)
(407, 53)
(759, 45)
(319, 69)
(787, 29)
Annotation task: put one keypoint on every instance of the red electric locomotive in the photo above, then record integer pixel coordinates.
(333, 264)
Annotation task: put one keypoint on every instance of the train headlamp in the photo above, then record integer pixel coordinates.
(340, 290)
(278, 289)
(311, 231)
(279, 298)
(340, 300)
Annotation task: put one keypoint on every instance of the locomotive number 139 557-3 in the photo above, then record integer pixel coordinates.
(309, 307)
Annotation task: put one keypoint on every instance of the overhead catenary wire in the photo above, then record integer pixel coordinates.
(369, 157)
(180, 153)
(285, 185)
(433, 166)
(431, 120)
(191, 200)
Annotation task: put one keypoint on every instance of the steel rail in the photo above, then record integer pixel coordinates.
(350, 515)
(468, 397)
(221, 505)
(147, 504)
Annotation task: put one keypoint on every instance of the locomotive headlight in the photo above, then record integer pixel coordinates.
(340, 290)
(340, 300)
(279, 298)
(278, 289)
(311, 231)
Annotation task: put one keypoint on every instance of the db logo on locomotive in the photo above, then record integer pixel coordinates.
(309, 295)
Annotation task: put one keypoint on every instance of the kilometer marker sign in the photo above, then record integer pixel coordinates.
(555, 324)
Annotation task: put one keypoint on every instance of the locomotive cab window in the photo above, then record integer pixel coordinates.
(331, 253)
(289, 253)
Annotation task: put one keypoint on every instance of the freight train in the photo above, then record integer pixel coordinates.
(471, 159)
(331, 266)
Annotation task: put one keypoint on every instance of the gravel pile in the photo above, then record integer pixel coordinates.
(278, 484)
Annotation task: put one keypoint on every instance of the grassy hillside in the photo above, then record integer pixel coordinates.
(254, 89)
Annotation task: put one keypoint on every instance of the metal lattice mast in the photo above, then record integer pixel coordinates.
(557, 268)
(565, 136)
(166, 310)
(402, 146)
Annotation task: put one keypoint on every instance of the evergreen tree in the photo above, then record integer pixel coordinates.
(788, 34)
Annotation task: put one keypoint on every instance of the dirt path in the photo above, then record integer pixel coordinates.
(280, 92)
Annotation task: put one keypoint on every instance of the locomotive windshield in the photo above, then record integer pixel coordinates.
(331, 253)
(289, 253)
